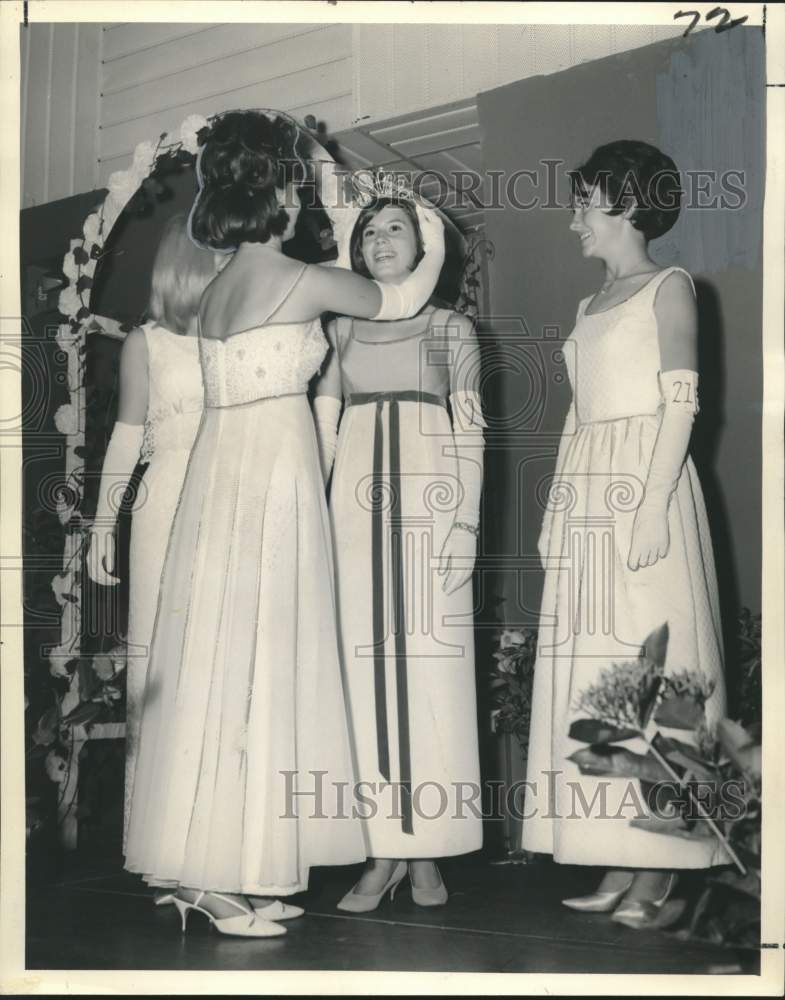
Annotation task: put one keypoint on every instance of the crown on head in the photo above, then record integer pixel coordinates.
(369, 185)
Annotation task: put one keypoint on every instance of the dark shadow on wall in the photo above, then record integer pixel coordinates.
(707, 433)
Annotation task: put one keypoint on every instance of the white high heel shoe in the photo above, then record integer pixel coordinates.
(245, 924)
(355, 902)
(599, 901)
(429, 897)
(276, 910)
(642, 914)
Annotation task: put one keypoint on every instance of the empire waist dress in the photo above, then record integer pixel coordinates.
(243, 751)
(595, 610)
(407, 647)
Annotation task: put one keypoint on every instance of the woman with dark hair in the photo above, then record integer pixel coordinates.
(405, 509)
(244, 749)
(160, 406)
(625, 540)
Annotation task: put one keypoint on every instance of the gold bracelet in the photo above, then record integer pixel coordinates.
(465, 526)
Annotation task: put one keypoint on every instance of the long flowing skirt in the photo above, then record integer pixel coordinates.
(596, 612)
(243, 749)
(408, 656)
(151, 526)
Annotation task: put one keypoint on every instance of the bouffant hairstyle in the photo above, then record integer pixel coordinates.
(245, 156)
(629, 172)
(181, 272)
(369, 213)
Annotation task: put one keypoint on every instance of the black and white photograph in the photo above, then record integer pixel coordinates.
(392, 498)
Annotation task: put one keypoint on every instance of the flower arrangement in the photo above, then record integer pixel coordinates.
(511, 683)
(631, 701)
(84, 690)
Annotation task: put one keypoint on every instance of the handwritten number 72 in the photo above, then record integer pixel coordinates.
(725, 24)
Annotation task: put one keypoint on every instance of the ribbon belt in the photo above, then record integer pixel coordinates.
(398, 598)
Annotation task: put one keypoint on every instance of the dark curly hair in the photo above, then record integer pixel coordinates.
(631, 172)
(370, 212)
(245, 156)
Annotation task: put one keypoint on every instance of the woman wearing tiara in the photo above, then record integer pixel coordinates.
(244, 711)
(159, 410)
(405, 509)
(633, 551)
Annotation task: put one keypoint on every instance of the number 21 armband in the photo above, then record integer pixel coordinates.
(679, 389)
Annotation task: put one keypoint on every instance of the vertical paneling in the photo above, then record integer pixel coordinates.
(61, 129)
(36, 122)
(86, 108)
(59, 114)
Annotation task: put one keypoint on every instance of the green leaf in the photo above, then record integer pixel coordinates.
(83, 714)
(648, 697)
(740, 747)
(596, 731)
(686, 756)
(618, 761)
(679, 712)
(655, 646)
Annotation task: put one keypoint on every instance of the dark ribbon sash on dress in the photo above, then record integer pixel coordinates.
(396, 560)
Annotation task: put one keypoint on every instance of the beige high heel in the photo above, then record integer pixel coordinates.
(245, 924)
(430, 897)
(642, 913)
(276, 910)
(598, 902)
(355, 902)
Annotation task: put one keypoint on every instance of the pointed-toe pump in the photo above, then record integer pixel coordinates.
(276, 910)
(437, 896)
(597, 902)
(354, 902)
(642, 913)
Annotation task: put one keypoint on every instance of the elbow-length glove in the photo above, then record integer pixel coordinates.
(122, 454)
(650, 535)
(459, 552)
(326, 411)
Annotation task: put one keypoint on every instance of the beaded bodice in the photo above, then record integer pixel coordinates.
(278, 359)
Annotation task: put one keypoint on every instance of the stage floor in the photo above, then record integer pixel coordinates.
(500, 918)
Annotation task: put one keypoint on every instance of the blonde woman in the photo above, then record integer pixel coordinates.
(160, 407)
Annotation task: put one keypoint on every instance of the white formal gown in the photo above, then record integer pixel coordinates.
(244, 753)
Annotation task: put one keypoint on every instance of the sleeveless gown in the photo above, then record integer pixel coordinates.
(174, 410)
(244, 751)
(407, 648)
(595, 611)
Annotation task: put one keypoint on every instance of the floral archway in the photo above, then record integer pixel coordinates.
(76, 717)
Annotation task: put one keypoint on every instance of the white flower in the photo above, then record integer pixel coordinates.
(91, 228)
(69, 302)
(65, 339)
(144, 155)
(67, 419)
(103, 667)
(56, 767)
(122, 186)
(118, 655)
(511, 637)
(188, 130)
(64, 510)
(70, 267)
(61, 585)
(59, 657)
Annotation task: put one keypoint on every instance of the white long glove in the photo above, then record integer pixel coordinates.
(122, 454)
(650, 535)
(408, 298)
(326, 411)
(459, 552)
(339, 208)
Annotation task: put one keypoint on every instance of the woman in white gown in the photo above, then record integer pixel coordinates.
(244, 751)
(625, 541)
(404, 504)
(159, 409)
